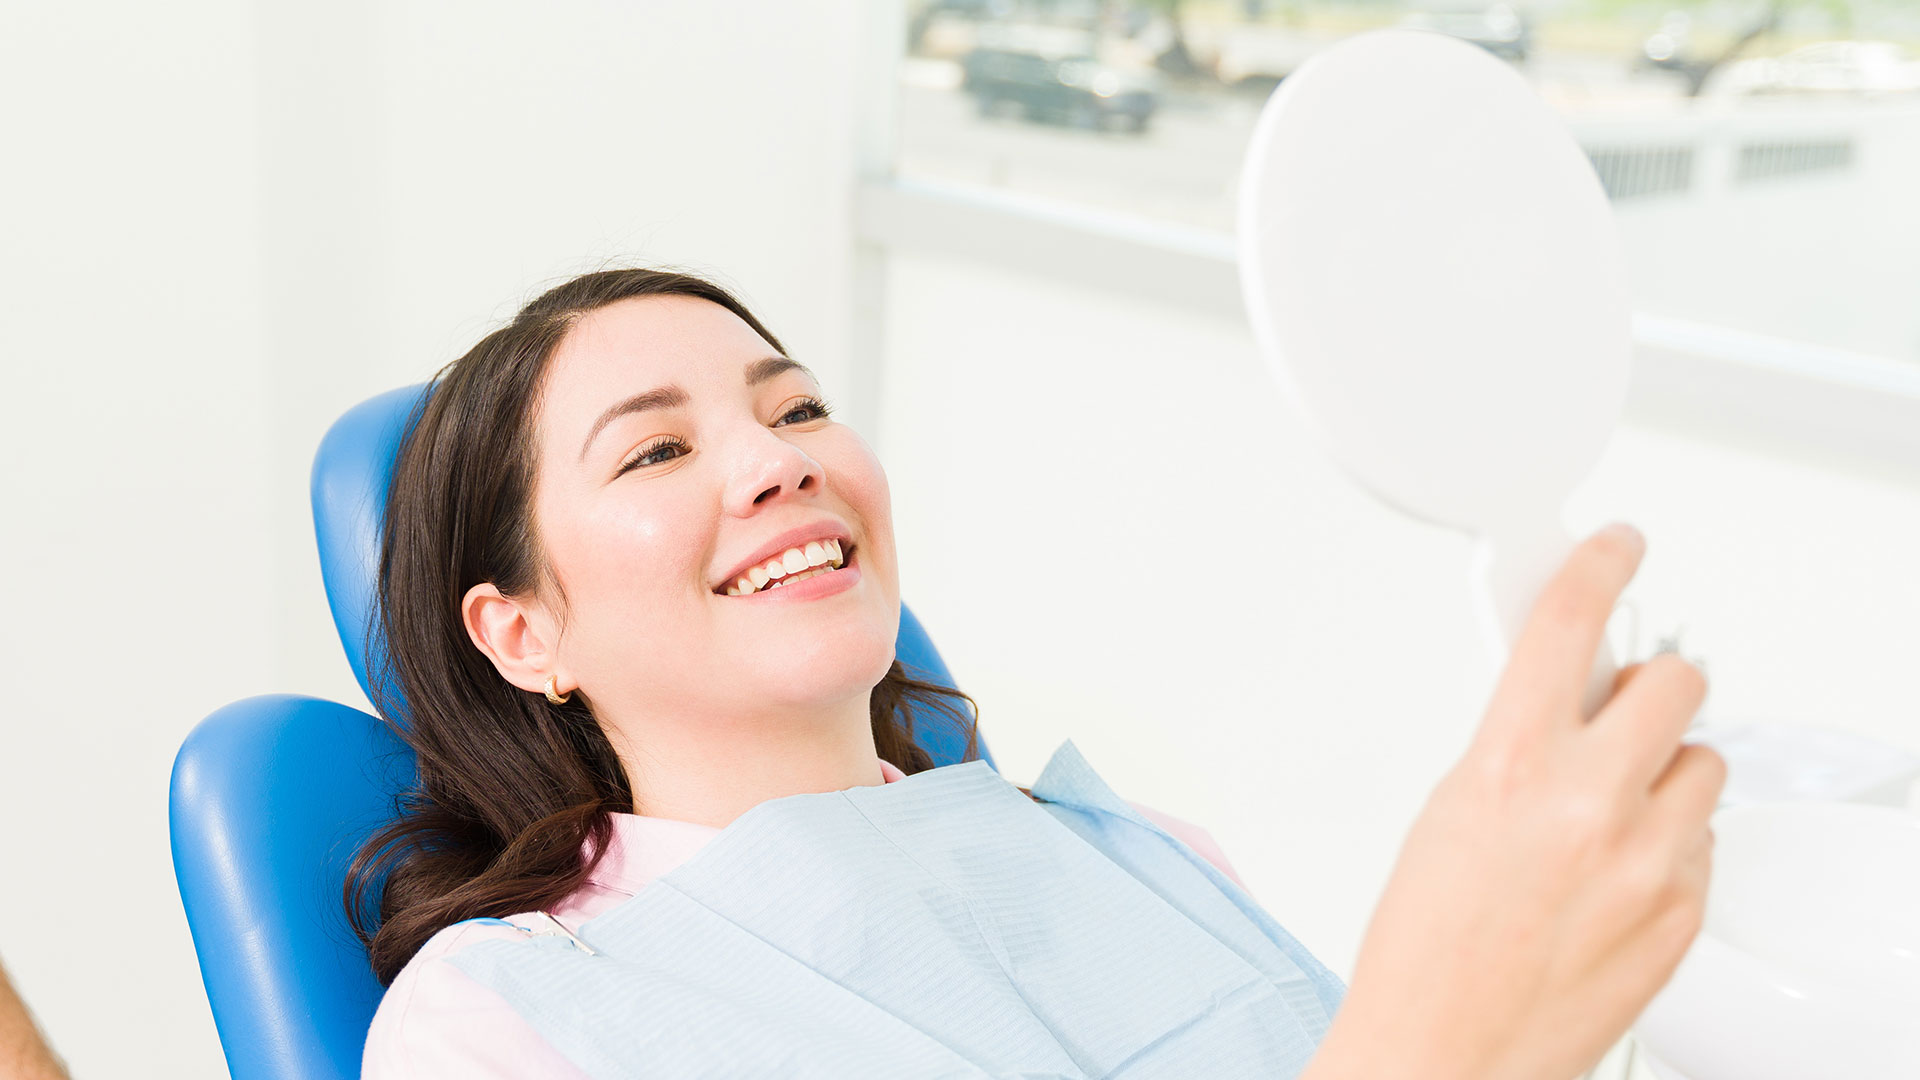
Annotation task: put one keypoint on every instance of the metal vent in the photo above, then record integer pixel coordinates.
(1766, 160)
(1635, 171)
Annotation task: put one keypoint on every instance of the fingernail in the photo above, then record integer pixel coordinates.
(1624, 531)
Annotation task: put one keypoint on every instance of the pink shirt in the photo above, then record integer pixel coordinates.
(436, 1022)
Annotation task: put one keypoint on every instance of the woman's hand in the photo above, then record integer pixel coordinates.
(1557, 873)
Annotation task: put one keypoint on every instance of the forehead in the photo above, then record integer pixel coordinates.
(644, 342)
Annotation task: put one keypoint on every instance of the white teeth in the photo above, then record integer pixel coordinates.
(793, 564)
(800, 577)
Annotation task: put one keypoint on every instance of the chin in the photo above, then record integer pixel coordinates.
(848, 658)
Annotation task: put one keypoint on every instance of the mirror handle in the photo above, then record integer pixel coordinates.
(1511, 567)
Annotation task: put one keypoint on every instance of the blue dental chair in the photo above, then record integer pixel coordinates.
(272, 795)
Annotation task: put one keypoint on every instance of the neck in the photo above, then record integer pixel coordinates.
(709, 770)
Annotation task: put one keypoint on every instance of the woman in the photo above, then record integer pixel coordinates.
(636, 581)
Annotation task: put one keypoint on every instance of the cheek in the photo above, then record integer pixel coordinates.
(633, 565)
(863, 483)
(872, 500)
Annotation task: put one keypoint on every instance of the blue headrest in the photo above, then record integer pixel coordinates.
(351, 474)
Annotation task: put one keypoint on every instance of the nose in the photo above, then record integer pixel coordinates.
(771, 468)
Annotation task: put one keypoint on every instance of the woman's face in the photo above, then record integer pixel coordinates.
(678, 453)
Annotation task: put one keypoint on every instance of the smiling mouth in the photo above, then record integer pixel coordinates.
(794, 564)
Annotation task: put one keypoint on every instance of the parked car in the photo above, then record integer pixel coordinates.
(1255, 59)
(1497, 28)
(1076, 90)
(1825, 68)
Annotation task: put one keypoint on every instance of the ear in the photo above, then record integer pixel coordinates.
(517, 636)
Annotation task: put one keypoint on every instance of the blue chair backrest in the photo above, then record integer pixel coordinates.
(272, 796)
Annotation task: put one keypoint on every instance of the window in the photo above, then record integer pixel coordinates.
(1763, 158)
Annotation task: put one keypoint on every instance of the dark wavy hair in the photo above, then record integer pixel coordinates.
(509, 813)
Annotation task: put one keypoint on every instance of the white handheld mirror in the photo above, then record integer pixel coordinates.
(1435, 278)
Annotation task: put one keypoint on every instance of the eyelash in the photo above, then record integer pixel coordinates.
(820, 409)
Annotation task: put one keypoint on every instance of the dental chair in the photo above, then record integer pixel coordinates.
(272, 795)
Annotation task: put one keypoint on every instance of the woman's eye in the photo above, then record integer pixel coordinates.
(655, 454)
(810, 409)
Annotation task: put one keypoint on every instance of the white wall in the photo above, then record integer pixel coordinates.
(1116, 533)
(223, 223)
(134, 436)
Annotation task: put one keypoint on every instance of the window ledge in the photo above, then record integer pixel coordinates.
(1853, 410)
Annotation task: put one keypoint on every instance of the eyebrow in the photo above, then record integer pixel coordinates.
(672, 397)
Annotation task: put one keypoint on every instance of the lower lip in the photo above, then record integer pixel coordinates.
(814, 588)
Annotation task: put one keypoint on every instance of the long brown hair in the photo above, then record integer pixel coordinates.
(512, 789)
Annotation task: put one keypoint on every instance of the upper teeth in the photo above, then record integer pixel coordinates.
(795, 563)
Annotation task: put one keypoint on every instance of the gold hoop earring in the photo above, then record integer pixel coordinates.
(553, 691)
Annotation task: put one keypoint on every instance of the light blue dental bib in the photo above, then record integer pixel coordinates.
(943, 925)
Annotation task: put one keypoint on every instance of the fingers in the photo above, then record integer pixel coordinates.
(1546, 676)
(1683, 804)
(1642, 724)
(1675, 874)
(1696, 867)
(1647, 956)
(1684, 798)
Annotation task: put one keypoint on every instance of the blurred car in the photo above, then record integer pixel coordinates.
(1076, 90)
(1256, 59)
(1825, 68)
(1497, 28)
(972, 9)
